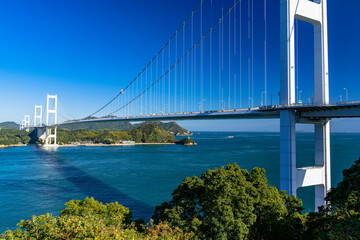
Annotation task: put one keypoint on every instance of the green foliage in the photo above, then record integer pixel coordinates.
(231, 203)
(104, 136)
(225, 203)
(172, 127)
(10, 137)
(9, 126)
(122, 126)
(148, 133)
(186, 141)
(144, 133)
(90, 219)
(341, 218)
(90, 207)
(151, 133)
(346, 196)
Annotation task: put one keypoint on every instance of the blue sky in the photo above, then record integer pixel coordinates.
(86, 51)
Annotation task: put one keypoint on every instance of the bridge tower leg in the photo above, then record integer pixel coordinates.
(38, 116)
(27, 123)
(51, 131)
(291, 178)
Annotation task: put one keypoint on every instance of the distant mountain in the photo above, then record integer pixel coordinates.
(172, 127)
(9, 125)
(113, 126)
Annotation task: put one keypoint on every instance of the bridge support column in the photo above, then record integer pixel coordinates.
(50, 139)
(322, 159)
(314, 12)
(41, 133)
(288, 152)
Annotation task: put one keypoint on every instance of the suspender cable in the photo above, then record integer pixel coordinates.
(152, 60)
(235, 35)
(249, 62)
(252, 53)
(156, 101)
(235, 39)
(146, 102)
(222, 41)
(210, 64)
(220, 98)
(240, 50)
(192, 66)
(229, 103)
(201, 60)
(176, 52)
(182, 58)
(265, 50)
(188, 76)
(183, 75)
(195, 79)
(141, 99)
(163, 85)
(150, 97)
(169, 80)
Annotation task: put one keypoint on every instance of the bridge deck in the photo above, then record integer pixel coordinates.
(339, 110)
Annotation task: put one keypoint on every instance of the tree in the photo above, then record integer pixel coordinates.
(231, 203)
(111, 211)
(346, 196)
(186, 141)
(340, 219)
(90, 219)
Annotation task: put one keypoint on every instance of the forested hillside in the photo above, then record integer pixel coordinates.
(9, 125)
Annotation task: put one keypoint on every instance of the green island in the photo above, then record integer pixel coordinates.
(144, 133)
(225, 203)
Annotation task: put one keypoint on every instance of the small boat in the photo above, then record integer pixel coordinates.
(230, 137)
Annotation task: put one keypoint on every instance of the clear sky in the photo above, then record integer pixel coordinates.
(86, 51)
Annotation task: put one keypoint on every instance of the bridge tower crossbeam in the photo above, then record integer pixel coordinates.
(292, 178)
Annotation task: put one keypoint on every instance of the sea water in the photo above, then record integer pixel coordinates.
(35, 181)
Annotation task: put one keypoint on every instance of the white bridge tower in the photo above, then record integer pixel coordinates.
(38, 116)
(25, 123)
(51, 111)
(291, 178)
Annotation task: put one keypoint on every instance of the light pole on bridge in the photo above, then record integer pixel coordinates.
(346, 91)
(262, 98)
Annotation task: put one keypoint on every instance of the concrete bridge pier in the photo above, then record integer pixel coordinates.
(292, 178)
(50, 139)
(47, 135)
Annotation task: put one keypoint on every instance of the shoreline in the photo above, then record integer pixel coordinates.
(87, 145)
(112, 145)
(13, 145)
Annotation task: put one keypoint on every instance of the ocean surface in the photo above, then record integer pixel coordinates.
(35, 181)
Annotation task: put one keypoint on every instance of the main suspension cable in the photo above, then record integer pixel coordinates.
(152, 60)
(187, 53)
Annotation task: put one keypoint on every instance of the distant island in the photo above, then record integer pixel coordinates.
(9, 126)
(144, 133)
(186, 141)
(171, 127)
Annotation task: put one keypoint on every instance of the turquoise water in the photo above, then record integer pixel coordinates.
(34, 181)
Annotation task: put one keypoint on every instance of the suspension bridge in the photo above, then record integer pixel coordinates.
(206, 71)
